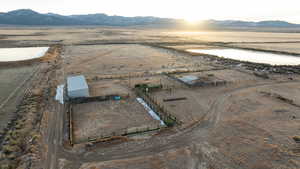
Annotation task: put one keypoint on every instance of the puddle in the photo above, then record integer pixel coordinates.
(60, 94)
(251, 56)
(21, 54)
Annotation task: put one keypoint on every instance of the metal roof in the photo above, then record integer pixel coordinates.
(188, 78)
(76, 83)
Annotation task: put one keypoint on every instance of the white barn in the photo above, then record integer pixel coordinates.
(77, 87)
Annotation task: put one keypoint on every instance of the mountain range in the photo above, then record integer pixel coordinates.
(28, 17)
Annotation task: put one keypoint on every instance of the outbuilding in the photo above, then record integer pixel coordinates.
(188, 79)
(77, 87)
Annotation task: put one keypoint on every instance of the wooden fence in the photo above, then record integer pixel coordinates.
(158, 108)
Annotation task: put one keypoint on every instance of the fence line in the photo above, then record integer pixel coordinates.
(145, 74)
(119, 134)
(161, 111)
(70, 112)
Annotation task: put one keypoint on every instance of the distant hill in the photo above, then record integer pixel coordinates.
(234, 23)
(31, 18)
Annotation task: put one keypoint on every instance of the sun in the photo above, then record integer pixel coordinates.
(192, 19)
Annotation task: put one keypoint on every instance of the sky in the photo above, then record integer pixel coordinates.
(190, 10)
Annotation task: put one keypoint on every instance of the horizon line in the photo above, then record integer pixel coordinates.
(200, 20)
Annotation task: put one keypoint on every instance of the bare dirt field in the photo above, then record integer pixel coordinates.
(11, 78)
(124, 86)
(120, 59)
(108, 87)
(258, 126)
(252, 122)
(12, 85)
(101, 119)
(90, 35)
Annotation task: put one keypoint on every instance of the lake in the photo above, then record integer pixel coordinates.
(251, 56)
(21, 54)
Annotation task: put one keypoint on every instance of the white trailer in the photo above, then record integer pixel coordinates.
(77, 87)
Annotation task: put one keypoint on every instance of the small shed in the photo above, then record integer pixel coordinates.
(189, 79)
(77, 87)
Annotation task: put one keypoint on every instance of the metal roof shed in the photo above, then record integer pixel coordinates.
(189, 79)
(77, 87)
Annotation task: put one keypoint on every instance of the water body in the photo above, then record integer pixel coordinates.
(251, 56)
(21, 54)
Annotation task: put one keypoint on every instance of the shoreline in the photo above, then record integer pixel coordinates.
(47, 56)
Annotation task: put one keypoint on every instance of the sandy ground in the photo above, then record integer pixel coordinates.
(95, 119)
(258, 125)
(232, 126)
(11, 77)
(108, 87)
(12, 85)
(119, 59)
(90, 35)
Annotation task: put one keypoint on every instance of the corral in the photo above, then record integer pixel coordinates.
(113, 109)
(96, 120)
